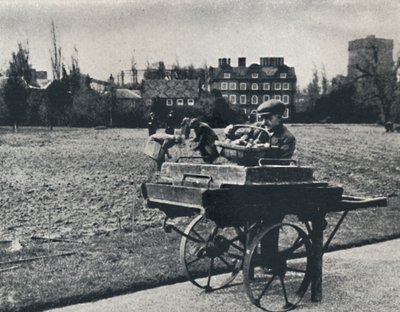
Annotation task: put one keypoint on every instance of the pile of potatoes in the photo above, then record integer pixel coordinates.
(247, 137)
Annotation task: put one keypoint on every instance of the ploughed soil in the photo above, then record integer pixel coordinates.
(81, 188)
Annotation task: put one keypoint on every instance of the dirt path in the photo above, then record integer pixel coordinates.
(360, 279)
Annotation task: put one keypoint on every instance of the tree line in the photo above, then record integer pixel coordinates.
(70, 100)
(374, 95)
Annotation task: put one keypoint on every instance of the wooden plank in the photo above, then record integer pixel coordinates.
(238, 175)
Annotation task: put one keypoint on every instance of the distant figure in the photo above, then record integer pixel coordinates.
(152, 123)
(389, 126)
(165, 142)
(206, 137)
(185, 127)
(170, 123)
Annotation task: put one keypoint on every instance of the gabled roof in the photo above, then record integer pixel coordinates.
(41, 84)
(127, 94)
(171, 88)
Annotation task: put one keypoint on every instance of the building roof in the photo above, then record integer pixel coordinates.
(264, 71)
(127, 94)
(41, 84)
(171, 88)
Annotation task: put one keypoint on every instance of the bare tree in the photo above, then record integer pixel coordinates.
(55, 54)
(377, 83)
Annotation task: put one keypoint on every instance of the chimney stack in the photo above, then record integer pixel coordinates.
(242, 62)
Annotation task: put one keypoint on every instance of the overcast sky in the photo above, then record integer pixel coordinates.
(108, 33)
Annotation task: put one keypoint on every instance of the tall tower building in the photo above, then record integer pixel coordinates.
(367, 52)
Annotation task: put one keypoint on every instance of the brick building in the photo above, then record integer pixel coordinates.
(249, 86)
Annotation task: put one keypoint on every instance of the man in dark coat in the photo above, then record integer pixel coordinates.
(205, 138)
(271, 113)
(152, 123)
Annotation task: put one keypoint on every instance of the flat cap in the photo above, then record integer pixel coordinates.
(271, 107)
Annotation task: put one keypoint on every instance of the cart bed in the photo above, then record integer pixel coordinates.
(234, 205)
(234, 174)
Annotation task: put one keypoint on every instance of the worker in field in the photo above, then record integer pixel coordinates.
(152, 123)
(205, 138)
(185, 127)
(158, 145)
(270, 117)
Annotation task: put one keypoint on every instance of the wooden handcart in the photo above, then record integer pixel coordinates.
(238, 226)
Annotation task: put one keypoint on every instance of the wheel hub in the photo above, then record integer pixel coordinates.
(277, 266)
(215, 247)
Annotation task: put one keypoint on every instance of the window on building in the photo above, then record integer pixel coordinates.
(232, 85)
(283, 75)
(254, 99)
(277, 86)
(224, 86)
(286, 113)
(285, 99)
(266, 97)
(285, 86)
(254, 75)
(242, 86)
(254, 86)
(232, 98)
(190, 102)
(277, 97)
(225, 96)
(169, 102)
(227, 75)
(179, 102)
(266, 86)
(243, 99)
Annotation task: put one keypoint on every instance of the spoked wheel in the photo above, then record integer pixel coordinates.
(277, 267)
(208, 250)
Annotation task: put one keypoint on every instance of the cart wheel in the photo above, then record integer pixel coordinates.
(277, 267)
(208, 250)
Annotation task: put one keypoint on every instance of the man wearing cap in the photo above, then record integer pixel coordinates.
(271, 113)
(205, 138)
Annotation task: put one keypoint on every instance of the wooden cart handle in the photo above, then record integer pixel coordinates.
(277, 161)
(201, 176)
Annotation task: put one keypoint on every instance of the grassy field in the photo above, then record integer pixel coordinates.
(81, 186)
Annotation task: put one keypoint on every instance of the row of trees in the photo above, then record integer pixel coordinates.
(373, 95)
(70, 101)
